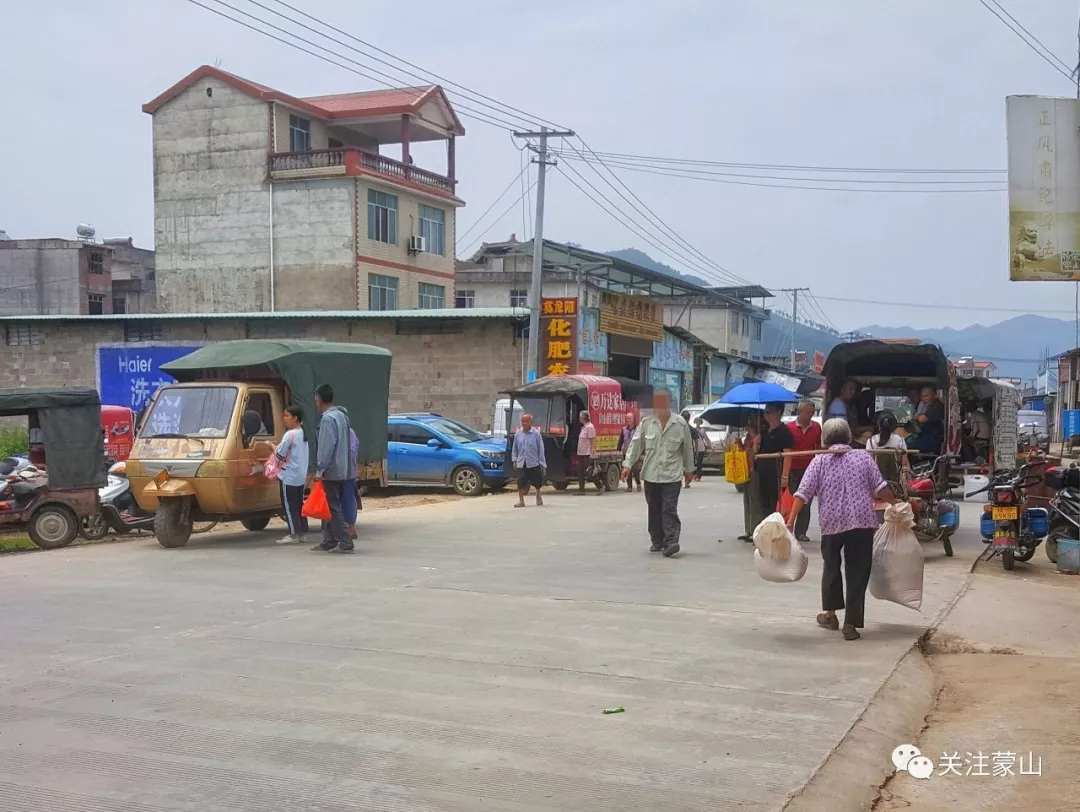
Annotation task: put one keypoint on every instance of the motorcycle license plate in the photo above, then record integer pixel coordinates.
(1005, 514)
(161, 478)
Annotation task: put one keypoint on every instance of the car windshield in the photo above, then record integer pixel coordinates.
(1037, 419)
(456, 431)
(190, 412)
(538, 408)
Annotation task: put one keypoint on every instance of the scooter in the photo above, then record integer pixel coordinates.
(935, 518)
(119, 510)
(1064, 507)
(1014, 529)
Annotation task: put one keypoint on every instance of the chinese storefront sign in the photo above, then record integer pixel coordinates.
(592, 344)
(608, 411)
(559, 325)
(632, 316)
(672, 353)
(819, 362)
(1044, 188)
(129, 376)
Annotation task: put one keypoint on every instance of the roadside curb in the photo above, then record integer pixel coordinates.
(852, 773)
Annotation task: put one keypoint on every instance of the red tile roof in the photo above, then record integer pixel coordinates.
(365, 104)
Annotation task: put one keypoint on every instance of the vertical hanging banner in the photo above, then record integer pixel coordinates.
(1044, 188)
(559, 336)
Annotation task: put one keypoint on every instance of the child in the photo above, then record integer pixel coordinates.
(293, 456)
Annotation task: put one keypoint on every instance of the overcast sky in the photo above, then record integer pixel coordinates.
(893, 83)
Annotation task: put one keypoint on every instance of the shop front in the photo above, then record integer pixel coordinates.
(593, 346)
(672, 366)
(632, 324)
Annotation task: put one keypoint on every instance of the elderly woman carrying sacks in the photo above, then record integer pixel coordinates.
(845, 482)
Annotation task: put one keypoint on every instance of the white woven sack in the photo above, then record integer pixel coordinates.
(778, 556)
(897, 571)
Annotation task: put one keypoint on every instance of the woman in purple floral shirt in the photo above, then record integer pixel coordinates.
(845, 485)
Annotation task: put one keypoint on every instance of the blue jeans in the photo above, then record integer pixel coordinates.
(348, 502)
(335, 531)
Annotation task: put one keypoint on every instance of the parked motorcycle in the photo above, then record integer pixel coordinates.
(936, 518)
(1014, 529)
(1064, 507)
(19, 483)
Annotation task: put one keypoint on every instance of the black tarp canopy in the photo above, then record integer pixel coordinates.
(359, 374)
(885, 364)
(70, 423)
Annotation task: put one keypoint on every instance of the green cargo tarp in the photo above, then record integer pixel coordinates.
(70, 423)
(359, 374)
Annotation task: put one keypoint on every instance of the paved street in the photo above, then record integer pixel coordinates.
(460, 661)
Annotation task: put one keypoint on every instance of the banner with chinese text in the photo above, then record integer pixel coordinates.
(632, 316)
(558, 333)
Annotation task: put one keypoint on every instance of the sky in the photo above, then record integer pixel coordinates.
(893, 83)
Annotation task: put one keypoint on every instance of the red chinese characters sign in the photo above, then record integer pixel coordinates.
(559, 340)
(631, 316)
(607, 410)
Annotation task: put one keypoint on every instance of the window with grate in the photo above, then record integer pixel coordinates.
(299, 134)
(382, 210)
(135, 331)
(465, 298)
(95, 304)
(433, 229)
(519, 298)
(97, 262)
(22, 335)
(756, 330)
(432, 297)
(382, 292)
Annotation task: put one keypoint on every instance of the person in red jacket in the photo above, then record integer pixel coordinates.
(807, 436)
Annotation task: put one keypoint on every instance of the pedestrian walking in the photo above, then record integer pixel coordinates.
(350, 497)
(625, 437)
(774, 474)
(807, 435)
(702, 447)
(334, 467)
(845, 484)
(528, 458)
(292, 455)
(586, 455)
(752, 515)
(664, 440)
(695, 438)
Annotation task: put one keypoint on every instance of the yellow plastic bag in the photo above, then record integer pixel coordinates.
(736, 466)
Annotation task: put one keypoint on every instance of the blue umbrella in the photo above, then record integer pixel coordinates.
(758, 393)
(730, 414)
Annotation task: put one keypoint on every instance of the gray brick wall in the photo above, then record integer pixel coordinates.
(457, 374)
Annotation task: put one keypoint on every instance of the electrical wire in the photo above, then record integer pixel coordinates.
(926, 306)
(1048, 56)
(494, 203)
(494, 223)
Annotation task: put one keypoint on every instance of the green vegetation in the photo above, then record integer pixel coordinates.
(14, 441)
(9, 544)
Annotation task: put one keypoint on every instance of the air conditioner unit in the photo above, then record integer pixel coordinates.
(417, 244)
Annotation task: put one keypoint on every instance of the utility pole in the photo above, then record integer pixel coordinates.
(535, 288)
(794, 317)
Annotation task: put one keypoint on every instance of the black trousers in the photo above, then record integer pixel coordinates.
(856, 547)
(699, 463)
(663, 501)
(802, 522)
(336, 531)
(292, 499)
(584, 464)
(768, 487)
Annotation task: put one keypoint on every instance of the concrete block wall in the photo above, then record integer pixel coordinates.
(211, 202)
(455, 374)
(39, 277)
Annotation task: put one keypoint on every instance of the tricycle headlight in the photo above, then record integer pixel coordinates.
(212, 469)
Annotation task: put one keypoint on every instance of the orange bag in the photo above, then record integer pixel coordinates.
(787, 501)
(316, 506)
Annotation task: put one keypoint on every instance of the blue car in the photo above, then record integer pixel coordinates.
(429, 449)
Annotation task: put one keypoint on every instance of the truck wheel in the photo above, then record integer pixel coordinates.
(1007, 560)
(467, 481)
(172, 523)
(94, 528)
(255, 525)
(561, 486)
(613, 477)
(53, 527)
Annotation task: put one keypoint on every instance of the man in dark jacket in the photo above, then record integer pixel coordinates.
(335, 468)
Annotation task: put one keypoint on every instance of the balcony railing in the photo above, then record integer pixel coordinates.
(351, 161)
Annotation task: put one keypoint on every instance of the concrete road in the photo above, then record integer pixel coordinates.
(460, 661)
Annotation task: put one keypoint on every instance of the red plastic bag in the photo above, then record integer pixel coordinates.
(316, 506)
(786, 503)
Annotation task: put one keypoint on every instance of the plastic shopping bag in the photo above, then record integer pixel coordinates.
(897, 572)
(272, 467)
(778, 556)
(786, 503)
(316, 506)
(736, 466)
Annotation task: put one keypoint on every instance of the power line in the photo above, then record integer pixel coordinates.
(1048, 56)
(494, 223)
(494, 203)
(924, 306)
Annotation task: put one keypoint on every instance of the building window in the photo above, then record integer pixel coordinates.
(734, 323)
(432, 297)
(382, 217)
(465, 298)
(137, 331)
(519, 298)
(119, 304)
(755, 330)
(299, 134)
(433, 229)
(382, 292)
(95, 304)
(746, 325)
(97, 262)
(22, 335)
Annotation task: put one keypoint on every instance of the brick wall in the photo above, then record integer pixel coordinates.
(455, 374)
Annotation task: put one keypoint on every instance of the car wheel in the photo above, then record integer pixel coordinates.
(467, 481)
(255, 525)
(53, 526)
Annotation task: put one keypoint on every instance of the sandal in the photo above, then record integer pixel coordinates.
(851, 633)
(519, 504)
(829, 622)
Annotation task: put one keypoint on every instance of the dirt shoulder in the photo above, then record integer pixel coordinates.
(1008, 661)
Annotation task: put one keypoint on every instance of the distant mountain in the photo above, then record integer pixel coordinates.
(1014, 345)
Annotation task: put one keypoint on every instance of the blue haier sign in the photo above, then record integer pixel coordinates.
(129, 376)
